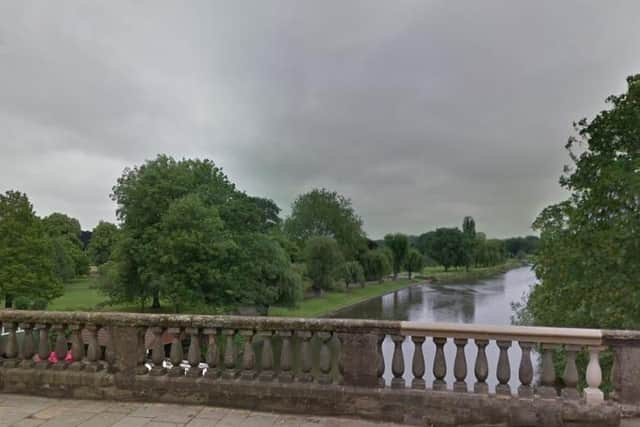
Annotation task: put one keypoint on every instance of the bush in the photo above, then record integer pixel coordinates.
(324, 261)
(22, 303)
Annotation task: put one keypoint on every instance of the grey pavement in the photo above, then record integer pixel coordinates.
(29, 411)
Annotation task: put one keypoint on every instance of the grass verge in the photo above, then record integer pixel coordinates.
(460, 275)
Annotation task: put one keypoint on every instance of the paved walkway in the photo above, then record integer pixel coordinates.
(27, 411)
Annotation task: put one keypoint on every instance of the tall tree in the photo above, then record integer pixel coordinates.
(399, 245)
(376, 264)
(414, 262)
(26, 252)
(70, 254)
(102, 243)
(469, 235)
(587, 259)
(447, 247)
(324, 261)
(325, 213)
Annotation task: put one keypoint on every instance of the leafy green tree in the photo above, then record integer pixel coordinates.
(413, 262)
(325, 213)
(376, 264)
(447, 247)
(102, 243)
(26, 253)
(324, 261)
(186, 235)
(399, 245)
(469, 236)
(352, 272)
(587, 259)
(521, 245)
(70, 254)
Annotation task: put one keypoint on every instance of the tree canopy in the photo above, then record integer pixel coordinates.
(587, 258)
(102, 243)
(324, 262)
(325, 213)
(398, 244)
(26, 252)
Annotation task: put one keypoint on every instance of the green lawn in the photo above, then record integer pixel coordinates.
(79, 294)
(458, 275)
(332, 301)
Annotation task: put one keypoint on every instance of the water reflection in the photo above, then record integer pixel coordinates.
(484, 302)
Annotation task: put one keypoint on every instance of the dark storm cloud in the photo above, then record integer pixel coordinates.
(421, 112)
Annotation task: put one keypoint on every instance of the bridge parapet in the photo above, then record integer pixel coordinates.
(322, 366)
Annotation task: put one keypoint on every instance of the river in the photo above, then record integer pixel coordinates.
(483, 302)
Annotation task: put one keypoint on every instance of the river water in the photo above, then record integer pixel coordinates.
(483, 302)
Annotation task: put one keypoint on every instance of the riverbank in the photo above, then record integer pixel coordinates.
(336, 300)
(460, 275)
(333, 301)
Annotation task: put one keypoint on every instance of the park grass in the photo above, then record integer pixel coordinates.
(460, 275)
(336, 300)
(79, 295)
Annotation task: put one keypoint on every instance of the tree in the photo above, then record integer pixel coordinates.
(469, 236)
(352, 272)
(399, 245)
(413, 262)
(70, 255)
(587, 259)
(324, 261)
(376, 264)
(187, 235)
(26, 252)
(325, 213)
(447, 247)
(102, 243)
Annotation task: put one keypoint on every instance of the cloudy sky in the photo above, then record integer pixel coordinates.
(420, 111)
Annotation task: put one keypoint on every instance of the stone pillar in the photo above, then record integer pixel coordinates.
(361, 359)
(230, 371)
(126, 343)
(305, 374)
(593, 395)
(324, 360)
(93, 350)
(213, 354)
(248, 356)
(626, 373)
(525, 371)
(381, 365)
(397, 363)
(27, 347)
(194, 355)
(570, 375)
(286, 357)
(547, 387)
(43, 345)
(60, 346)
(176, 355)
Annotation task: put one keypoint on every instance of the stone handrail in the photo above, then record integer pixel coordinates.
(232, 357)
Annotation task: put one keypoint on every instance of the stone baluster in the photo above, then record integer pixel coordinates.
(194, 354)
(547, 387)
(109, 362)
(230, 372)
(417, 365)
(460, 366)
(481, 368)
(248, 356)
(213, 355)
(504, 369)
(93, 349)
(305, 357)
(157, 351)
(11, 347)
(286, 357)
(380, 371)
(141, 363)
(77, 347)
(397, 362)
(525, 371)
(325, 358)
(266, 365)
(176, 355)
(592, 393)
(570, 375)
(439, 364)
(60, 345)
(27, 349)
(43, 346)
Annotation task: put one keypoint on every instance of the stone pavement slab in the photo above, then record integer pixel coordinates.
(28, 411)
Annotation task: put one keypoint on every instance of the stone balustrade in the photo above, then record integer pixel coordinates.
(323, 366)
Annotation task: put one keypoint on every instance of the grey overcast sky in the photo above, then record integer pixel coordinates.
(420, 111)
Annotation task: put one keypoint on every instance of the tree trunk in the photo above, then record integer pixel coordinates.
(409, 274)
(156, 300)
(8, 301)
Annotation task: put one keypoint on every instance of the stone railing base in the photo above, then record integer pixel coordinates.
(415, 407)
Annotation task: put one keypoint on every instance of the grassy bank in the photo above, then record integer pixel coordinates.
(460, 275)
(335, 300)
(79, 294)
